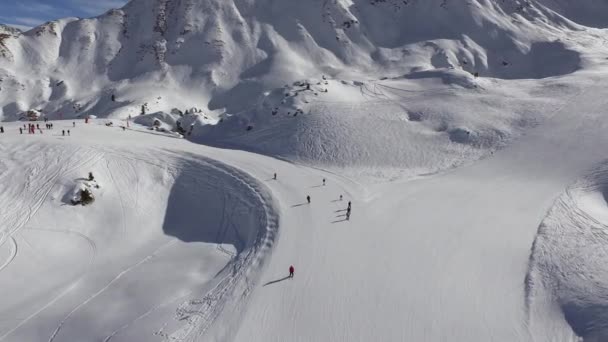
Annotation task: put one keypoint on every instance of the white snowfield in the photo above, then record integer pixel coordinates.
(191, 243)
(470, 138)
(324, 83)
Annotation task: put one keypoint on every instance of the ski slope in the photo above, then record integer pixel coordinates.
(470, 139)
(170, 238)
(187, 242)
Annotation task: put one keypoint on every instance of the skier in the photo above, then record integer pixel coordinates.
(340, 197)
(20, 130)
(275, 176)
(74, 124)
(308, 199)
(68, 132)
(291, 271)
(91, 178)
(323, 181)
(1, 129)
(348, 205)
(63, 132)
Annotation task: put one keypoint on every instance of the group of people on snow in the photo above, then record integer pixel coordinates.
(31, 128)
(308, 200)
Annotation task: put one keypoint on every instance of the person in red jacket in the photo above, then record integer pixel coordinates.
(291, 271)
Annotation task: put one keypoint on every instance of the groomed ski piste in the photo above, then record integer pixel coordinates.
(187, 243)
(479, 202)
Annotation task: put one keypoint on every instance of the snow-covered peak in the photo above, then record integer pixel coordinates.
(203, 50)
(5, 29)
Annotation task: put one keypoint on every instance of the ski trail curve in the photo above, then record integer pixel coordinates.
(12, 255)
(242, 273)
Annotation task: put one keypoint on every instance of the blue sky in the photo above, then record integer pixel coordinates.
(25, 14)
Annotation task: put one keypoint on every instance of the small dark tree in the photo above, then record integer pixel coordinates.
(86, 197)
(143, 109)
(91, 178)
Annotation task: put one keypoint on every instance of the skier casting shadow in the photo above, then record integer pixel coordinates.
(290, 276)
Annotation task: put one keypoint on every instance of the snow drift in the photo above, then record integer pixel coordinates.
(568, 263)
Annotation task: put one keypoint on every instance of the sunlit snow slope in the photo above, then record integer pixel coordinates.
(190, 239)
(395, 62)
(168, 243)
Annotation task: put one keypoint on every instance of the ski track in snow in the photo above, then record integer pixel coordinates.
(13, 253)
(144, 315)
(567, 258)
(69, 288)
(199, 314)
(432, 308)
(107, 286)
(123, 221)
(43, 190)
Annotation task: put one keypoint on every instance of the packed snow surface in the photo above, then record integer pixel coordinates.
(186, 242)
(469, 138)
(168, 236)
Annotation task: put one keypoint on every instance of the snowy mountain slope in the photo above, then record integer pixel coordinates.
(433, 259)
(385, 129)
(239, 60)
(590, 13)
(170, 235)
(440, 258)
(204, 48)
(187, 242)
(568, 278)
